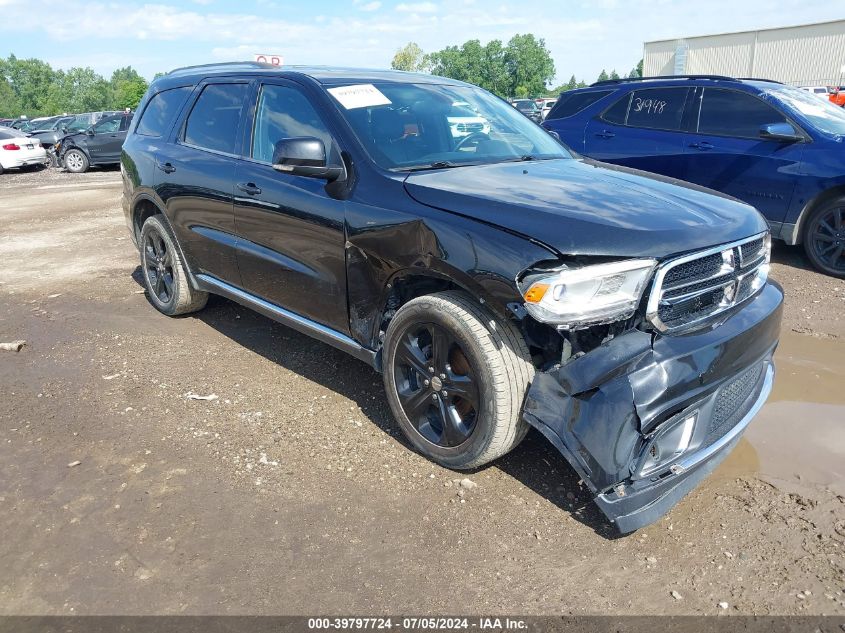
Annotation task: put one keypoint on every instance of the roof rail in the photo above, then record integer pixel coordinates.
(624, 79)
(244, 64)
(771, 81)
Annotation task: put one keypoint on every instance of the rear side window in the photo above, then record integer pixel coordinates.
(160, 111)
(213, 122)
(651, 108)
(734, 113)
(572, 103)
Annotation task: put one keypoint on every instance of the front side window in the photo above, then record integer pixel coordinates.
(734, 113)
(284, 112)
(107, 127)
(414, 126)
(213, 122)
(161, 110)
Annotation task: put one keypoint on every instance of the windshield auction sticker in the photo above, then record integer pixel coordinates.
(359, 96)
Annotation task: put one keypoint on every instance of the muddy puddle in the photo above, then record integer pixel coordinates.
(798, 438)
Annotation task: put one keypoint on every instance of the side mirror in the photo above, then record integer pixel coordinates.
(304, 156)
(782, 132)
(90, 131)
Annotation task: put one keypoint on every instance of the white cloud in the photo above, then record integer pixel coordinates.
(417, 7)
(370, 6)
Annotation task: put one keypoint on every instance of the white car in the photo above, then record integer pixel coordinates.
(17, 150)
(819, 91)
(545, 106)
(463, 121)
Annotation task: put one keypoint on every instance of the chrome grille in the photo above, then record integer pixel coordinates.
(689, 291)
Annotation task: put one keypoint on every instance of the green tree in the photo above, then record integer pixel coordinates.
(127, 88)
(410, 58)
(29, 80)
(603, 76)
(83, 90)
(636, 71)
(529, 65)
(9, 106)
(614, 74)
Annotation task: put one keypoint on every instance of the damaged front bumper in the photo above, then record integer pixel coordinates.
(644, 417)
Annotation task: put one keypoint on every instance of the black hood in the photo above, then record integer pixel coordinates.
(582, 207)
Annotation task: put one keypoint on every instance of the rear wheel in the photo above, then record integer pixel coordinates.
(165, 276)
(824, 238)
(76, 161)
(456, 376)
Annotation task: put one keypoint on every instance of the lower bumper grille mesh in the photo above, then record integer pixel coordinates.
(733, 402)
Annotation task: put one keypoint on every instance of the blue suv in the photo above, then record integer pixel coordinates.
(773, 146)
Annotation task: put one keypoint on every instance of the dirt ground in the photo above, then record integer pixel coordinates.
(292, 491)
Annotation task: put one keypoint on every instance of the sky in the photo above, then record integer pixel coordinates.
(584, 36)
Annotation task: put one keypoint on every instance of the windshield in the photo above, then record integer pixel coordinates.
(407, 126)
(822, 114)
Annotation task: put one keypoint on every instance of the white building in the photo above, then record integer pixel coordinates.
(806, 55)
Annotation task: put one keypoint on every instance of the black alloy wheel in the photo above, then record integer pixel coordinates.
(436, 385)
(825, 239)
(158, 266)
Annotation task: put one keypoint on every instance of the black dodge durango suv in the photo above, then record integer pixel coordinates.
(497, 280)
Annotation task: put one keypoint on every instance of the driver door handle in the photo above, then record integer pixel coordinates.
(605, 134)
(167, 168)
(249, 188)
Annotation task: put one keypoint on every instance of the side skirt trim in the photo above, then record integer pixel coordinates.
(286, 317)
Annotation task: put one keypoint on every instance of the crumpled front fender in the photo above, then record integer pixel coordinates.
(599, 409)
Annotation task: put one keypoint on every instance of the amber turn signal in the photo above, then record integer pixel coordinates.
(535, 293)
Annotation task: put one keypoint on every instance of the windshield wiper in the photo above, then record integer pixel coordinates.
(438, 164)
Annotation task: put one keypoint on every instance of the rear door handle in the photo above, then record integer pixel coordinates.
(703, 146)
(167, 168)
(605, 134)
(249, 188)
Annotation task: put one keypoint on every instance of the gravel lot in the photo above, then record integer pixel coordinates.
(292, 492)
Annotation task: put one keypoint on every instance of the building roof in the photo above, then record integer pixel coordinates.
(773, 28)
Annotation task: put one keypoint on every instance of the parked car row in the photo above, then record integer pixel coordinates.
(776, 147)
(78, 141)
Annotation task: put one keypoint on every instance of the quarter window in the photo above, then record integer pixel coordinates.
(161, 110)
(213, 122)
(284, 112)
(569, 104)
(734, 113)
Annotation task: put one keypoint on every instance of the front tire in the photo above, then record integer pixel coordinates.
(76, 161)
(456, 377)
(164, 272)
(824, 238)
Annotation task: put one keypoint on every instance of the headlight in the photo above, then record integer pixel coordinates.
(590, 295)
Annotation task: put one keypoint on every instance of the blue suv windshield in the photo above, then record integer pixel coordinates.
(409, 126)
(824, 116)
